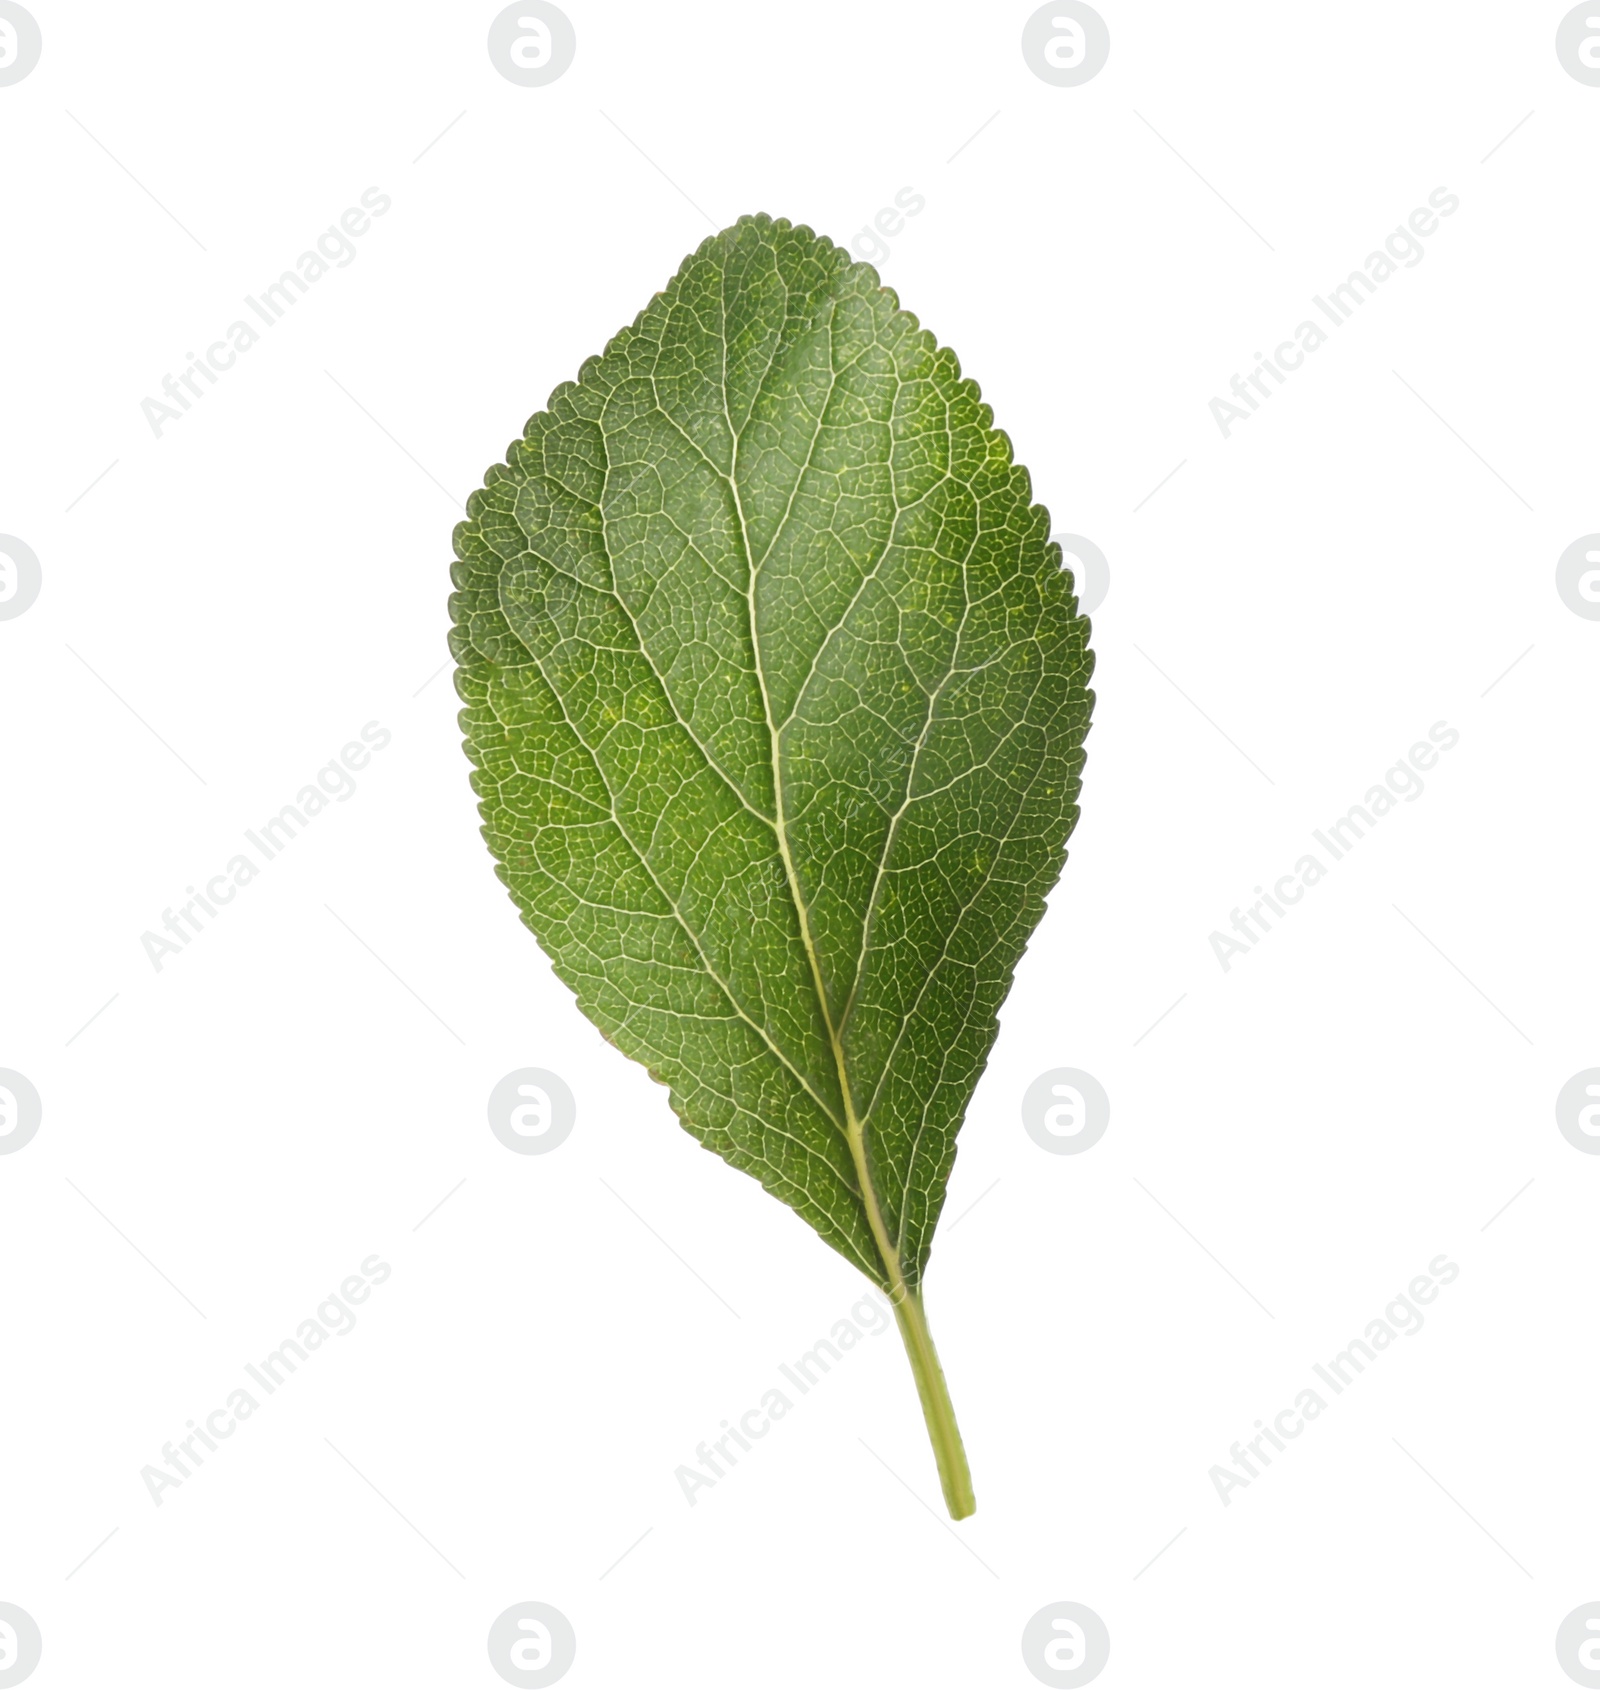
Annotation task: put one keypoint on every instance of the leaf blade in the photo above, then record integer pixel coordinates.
(776, 696)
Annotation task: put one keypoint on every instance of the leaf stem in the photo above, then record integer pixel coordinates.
(954, 1477)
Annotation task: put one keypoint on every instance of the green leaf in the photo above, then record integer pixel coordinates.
(776, 694)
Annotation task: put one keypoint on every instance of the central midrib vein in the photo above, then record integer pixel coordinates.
(855, 1136)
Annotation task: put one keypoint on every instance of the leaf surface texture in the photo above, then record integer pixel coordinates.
(775, 693)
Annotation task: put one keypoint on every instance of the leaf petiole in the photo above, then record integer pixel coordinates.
(937, 1409)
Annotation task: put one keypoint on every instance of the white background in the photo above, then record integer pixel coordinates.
(230, 602)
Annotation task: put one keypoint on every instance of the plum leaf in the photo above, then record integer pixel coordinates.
(776, 694)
